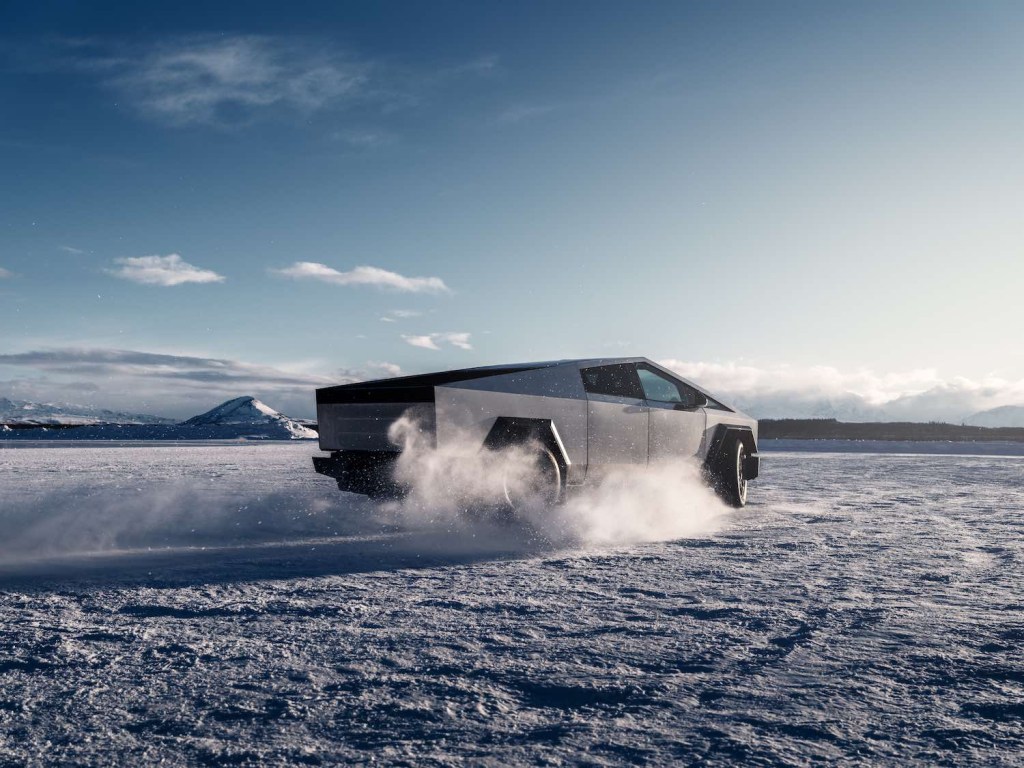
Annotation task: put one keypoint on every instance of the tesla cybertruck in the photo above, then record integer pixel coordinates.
(579, 420)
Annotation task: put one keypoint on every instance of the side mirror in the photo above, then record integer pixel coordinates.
(693, 400)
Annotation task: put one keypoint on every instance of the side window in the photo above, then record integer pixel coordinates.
(657, 387)
(664, 389)
(615, 380)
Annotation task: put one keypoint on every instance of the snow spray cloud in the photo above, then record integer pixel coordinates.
(666, 501)
(442, 484)
(81, 518)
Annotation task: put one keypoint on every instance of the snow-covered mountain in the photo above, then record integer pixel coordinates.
(25, 412)
(250, 412)
(1004, 416)
(243, 418)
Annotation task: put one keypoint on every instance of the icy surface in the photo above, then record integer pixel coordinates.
(238, 610)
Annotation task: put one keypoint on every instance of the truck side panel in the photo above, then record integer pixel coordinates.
(466, 414)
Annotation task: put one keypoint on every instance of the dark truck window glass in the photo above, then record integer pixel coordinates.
(664, 389)
(657, 387)
(616, 380)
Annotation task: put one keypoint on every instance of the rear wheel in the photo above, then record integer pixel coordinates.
(730, 482)
(536, 486)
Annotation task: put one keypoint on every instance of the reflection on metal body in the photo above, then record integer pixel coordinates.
(617, 429)
(675, 432)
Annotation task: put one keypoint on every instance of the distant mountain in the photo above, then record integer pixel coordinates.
(241, 418)
(53, 414)
(830, 429)
(1004, 416)
(250, 412)
(844, 407)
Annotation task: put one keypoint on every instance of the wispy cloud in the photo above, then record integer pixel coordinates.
(365, 139)
(225, 80)
(230, 80)
(373, 276)
(384, 370)
(72, 251)
(166, 384)
(434, 340)
(399, 314)
(780, 391)
(523, 112)
(162, 270)
(126, 362)
(5, 273)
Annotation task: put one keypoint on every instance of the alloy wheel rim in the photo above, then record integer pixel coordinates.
(741, 481)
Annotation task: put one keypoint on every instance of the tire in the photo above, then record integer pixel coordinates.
(544, 489)
(730, 483)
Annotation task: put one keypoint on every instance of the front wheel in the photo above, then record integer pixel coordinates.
(730, 482)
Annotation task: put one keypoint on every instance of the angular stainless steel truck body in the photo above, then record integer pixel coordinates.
(594, 416)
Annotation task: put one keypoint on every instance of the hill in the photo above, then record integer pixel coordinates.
(831, 429)
(28, 414)
(238, 418)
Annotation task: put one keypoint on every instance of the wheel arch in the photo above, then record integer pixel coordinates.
(723, 435)
(514, 430)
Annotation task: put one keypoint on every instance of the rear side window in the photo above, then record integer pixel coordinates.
(616, 380)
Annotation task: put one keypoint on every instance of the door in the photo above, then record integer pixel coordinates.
(676, 420)
(617, 433)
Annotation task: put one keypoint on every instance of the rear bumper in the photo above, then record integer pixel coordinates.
(370, 473)
(751, 466)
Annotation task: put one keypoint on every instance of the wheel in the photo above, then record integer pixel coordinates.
(540, 487)
(730, 482)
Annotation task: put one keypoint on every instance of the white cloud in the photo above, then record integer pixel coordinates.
(522, 112)
(389, 370)
(460, 340)
(72, 251)
(434, 340)
(225, 80)
(5, 273)
(399, 314)
(780, 391)
(365, 139)
(424, 342)
(167, 384)
(163, 270)
(374, 276)
(230, 80)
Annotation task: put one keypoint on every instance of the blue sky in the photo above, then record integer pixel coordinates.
(820, 198)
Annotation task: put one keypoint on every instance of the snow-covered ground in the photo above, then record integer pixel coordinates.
(236, 609)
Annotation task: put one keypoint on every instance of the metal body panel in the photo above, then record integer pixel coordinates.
(675, 433)
(364, 426)
(465, 414)
(617, 433)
